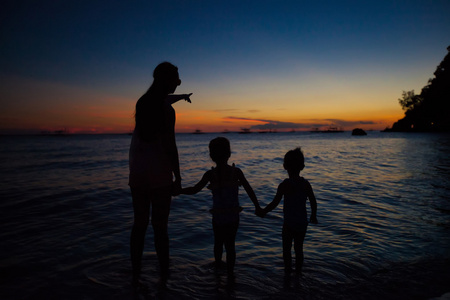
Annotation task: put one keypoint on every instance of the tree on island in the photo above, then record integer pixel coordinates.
(429, 111)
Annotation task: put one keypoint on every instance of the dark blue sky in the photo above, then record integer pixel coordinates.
(235, 49)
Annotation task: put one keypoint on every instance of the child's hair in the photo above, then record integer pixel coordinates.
(294, 160)
(219, 149)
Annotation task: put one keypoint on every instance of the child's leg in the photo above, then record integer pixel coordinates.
(299, 238)
(218, 242)
(287, 237)
(230, 241)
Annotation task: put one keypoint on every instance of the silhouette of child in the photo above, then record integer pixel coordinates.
(224, 181)
(295, 190)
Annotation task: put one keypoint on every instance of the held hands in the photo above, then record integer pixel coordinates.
(176, 187)
(260, 212)
(313, 220)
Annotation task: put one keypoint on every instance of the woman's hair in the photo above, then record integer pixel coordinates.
(219, 149)
(294, 160)
(165, 71)
(149, 115)
(163, 74)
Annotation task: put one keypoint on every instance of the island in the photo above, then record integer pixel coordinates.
(430, 110)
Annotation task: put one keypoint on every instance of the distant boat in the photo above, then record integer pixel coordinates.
(331, 129)
(268, 131)
(61, 132)
(198, 131)
(245, 130)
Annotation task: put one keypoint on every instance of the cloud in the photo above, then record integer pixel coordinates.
(271, 124)
(308, 124)
(345, 123)
(235, 110)
(225, 110)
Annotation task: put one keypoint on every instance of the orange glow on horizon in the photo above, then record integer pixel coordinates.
(83, 111)
(238, 125)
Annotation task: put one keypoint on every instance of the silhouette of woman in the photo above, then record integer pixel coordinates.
(153, 164)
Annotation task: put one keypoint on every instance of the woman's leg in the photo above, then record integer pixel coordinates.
(141, 207)
(160, 218)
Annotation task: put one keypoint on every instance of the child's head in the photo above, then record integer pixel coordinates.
(219, 149)
(294, 161)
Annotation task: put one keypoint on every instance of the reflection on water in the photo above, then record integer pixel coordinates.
(383, 210)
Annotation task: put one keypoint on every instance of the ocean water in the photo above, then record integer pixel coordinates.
(383, 211)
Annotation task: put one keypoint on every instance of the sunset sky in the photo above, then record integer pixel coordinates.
(81, 65)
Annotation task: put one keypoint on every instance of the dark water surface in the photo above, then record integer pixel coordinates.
(383, 210)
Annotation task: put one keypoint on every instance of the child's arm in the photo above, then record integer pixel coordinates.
(171, 99)
(276, 200)
(313, 203)
(251, 194)
(199, 186)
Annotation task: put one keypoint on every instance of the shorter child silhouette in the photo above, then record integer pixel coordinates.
(224, 181)
(295, 190)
